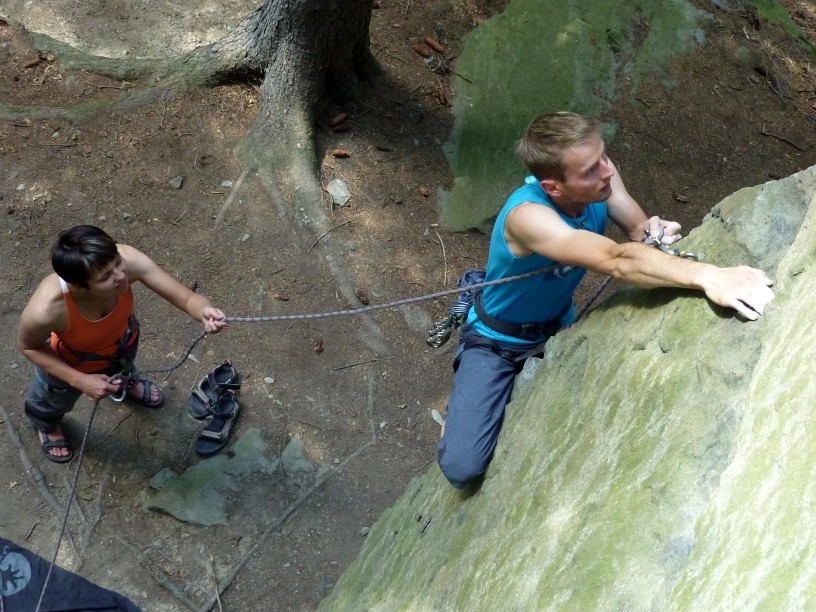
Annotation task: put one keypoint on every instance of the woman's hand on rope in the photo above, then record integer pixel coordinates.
(214, 320)
(98, 386)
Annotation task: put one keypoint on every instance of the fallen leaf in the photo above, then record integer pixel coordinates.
(338, 119)
(33, 62)
(421, 50)
(434, 44)
(318, 347)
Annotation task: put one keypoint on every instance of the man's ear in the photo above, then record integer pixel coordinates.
(551, 187)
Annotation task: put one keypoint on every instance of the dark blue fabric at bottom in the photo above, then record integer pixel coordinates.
(22, 576)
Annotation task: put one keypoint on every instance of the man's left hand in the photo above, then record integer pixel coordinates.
(670, 230)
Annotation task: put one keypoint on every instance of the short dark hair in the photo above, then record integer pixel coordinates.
(548, 136)
(81, 250)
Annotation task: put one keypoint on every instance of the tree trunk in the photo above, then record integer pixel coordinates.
(302, 49)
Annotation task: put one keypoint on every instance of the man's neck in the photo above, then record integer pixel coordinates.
(569, 208)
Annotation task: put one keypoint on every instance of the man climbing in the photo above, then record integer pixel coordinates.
(557, 219)
(78, 329)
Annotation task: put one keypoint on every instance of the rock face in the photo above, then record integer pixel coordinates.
(660, 459)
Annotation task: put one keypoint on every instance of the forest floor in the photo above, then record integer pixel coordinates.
(363, 417)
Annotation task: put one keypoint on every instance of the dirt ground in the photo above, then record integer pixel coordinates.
(363, 415)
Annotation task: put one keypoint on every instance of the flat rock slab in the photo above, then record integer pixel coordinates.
(207, 492)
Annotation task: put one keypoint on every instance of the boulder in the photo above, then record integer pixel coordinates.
(660, 458)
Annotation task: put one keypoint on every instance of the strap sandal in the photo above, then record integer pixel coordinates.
(46, 444)
(145, 399)
(205, 394)
(215, 436)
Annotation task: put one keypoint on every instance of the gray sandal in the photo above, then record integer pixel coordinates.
(205, 394)
(215, 436)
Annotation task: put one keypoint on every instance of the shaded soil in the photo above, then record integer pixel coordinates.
(362, 414)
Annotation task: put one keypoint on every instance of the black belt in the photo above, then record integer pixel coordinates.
(525, 331)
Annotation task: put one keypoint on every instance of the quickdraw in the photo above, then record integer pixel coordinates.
(657, 242)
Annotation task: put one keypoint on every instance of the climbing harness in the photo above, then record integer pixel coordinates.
(471, 285)
(442, 330)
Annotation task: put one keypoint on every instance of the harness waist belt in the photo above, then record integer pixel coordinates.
(525, 331)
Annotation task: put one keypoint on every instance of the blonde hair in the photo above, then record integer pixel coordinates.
(548, 136)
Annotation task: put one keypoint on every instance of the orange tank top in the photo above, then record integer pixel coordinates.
(102, 339)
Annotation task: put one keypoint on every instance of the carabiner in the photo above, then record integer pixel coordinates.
(122, 390)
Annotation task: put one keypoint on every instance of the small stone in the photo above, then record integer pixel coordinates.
(226, 184)
(103, 218)
(383, 424)
(21, 187)
(364, 531)
(176, 182)
(339, 192)
(336, 461)
(269, 380)
(245, 237)
(55, 134)
(127, 217)
(13, 365)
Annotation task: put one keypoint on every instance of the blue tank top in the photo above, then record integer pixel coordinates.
(541, 297)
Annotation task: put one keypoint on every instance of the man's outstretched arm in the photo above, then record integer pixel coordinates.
(539, 229)
(142, 268)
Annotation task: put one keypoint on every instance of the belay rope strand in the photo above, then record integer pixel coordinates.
(656, 242)
(272, 318)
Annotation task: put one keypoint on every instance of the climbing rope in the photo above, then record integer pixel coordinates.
(71, 495)
(130, 378)
(402, 302)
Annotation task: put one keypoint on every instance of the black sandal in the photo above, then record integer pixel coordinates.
(215, 436)
(46, 444)
(205, 394)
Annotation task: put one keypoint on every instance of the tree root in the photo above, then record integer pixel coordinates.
(233, 193)
(91, 524)
(291, 159)
(150, 567)
(202, 67)
(37, 477)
